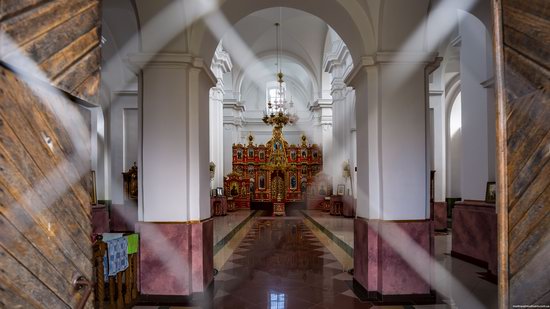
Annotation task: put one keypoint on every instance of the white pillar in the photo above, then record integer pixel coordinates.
(339, 111)
(323, 118)
(232, 125)
(221, 64)
(216, 134)
(475, 136)
(391, 144)
(437, 104)
(174, 162)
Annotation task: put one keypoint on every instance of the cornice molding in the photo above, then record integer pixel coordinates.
(390, 58)
(138, 61)
(337, 58)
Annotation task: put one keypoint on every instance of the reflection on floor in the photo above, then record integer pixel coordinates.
(469, 275)
(340, 226)
(223, 225)
(280, 263)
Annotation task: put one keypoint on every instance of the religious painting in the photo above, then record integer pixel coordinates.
(251, 169)
(262, 155)
(304, 170)
(340, 189)
(293, 155)
(304, 153)
(293, 182)
(239, 154)
(277, 145)
(251, 187)
(491, 192)
(234, 189)
(219, 191)
(251, 152)
(243, 189)
(314, 154)
(261, 182)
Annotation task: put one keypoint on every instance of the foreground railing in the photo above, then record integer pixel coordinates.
(122, 286)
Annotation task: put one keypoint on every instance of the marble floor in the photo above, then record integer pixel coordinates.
(280, 263)
(223, 225)
(340, 226)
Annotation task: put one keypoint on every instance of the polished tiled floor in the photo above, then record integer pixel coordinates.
(341, 227)
(280, 263)
(223, 225)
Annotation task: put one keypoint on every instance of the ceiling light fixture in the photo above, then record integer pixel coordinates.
(279, 112)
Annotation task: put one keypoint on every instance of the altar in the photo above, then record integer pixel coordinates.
(275, 172)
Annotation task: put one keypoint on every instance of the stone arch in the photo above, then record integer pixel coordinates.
(347, 18)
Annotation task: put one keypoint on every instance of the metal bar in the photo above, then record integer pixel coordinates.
(79, 283)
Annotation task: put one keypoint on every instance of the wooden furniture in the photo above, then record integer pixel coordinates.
(130, 179)
(475, 233)
(336, 205)
(218, 205)
(278, 208)
(254, 164)
(237, 188)
(230, 204)
(325, 204)
(122, 288)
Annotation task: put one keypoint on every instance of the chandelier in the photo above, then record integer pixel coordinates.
(279, 112)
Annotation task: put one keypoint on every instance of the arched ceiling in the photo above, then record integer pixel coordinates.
(303, 39)
(302, 34)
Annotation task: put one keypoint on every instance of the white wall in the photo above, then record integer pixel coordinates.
(455, 150)
(475, 133)
(123, 140)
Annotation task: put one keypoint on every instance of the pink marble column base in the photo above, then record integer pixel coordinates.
(176, 259)
(440, 216)
(379, 268)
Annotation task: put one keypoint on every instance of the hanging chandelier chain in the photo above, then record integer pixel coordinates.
(277, 112)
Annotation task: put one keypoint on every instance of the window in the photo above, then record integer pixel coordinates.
(277, 300)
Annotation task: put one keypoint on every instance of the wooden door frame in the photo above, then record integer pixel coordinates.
(501, 153)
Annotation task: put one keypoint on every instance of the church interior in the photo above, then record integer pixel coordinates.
(274, 154)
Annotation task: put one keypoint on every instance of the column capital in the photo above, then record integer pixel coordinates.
(424, 58)
(138, 61)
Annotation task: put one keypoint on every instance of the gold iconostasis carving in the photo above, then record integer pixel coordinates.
(274, 172)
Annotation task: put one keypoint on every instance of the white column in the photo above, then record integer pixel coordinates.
(391, 143)
(323, 118)
(174, 112)
(221, 64)
(437, 104)
(475, 142)
(216, 134)
(339, 91)
(232, 125)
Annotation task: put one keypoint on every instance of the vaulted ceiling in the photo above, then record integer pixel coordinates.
(303, 39)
